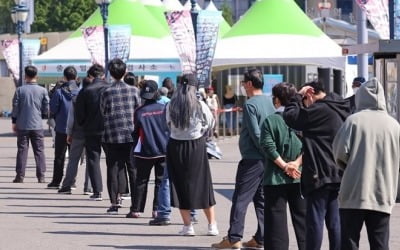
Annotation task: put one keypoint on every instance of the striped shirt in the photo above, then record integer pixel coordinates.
(117, 104)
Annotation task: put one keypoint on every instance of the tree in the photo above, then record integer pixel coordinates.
(50, 15)
(227, 13)
(61, 15)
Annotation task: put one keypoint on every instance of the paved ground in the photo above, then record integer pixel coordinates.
(33, 217)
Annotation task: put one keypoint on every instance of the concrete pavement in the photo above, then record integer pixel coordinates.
(33, 217)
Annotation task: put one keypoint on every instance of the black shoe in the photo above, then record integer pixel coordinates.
(65, 190)
(41, 180)
(96, 197)
(87, 192)
(159, 222)
(112, 210)
(73, 187)
(53, 185)
(18, 179)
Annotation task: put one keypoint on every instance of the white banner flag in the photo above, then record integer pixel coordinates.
(377, 12)
(207, 36)
(181, 27)
(10, 52)
(94, 38)
(119, 41)
(31, 48)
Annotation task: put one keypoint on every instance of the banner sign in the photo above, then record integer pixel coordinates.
(119, 41)
(94, 38)
(30, 49)
(10, 52)
(181, 27)
(207, 36)
(270, 80)
(378, 14)
(137, 67)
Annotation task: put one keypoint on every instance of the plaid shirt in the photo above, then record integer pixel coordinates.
(117, 104)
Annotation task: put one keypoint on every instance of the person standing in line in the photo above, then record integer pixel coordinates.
(30, 106)
(250, 172)
(367, 148)
(187, 161)
(357, 82)
(117, 105)
(60, 104)
(149, 147)
(167, 83)
(76, 140)
(88, 116)
(229, 101)
(319, 115)
(163, 92)
(282, 175)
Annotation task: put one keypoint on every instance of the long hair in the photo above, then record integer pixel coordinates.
(183, 105)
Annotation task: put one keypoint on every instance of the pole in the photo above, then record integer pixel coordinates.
(194, 14)
(104, 15)
(20, 48)
(362, 38)
(391, 19)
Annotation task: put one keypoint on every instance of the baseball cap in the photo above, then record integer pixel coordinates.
(149, 90)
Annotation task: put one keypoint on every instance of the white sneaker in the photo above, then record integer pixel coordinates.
(187, 231)
(212, 229)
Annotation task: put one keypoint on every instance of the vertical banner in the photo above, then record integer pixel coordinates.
(377, 12)
(396, 10)
(10, 52)
(181, 27)
(119, 41)
(94, 38)
(207, 36)
(30, 49)
(270, 80)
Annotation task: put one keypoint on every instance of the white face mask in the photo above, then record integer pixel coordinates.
(243, 91)
(355, 89)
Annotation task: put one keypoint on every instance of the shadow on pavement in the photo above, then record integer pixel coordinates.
(227, 193)
(150, 247)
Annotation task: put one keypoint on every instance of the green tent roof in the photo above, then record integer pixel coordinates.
(274, 17)
(158, 13)
(130, 12)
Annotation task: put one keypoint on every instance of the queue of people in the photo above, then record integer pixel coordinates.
(333, 161)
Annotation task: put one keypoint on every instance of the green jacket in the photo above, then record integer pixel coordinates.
(277, 139)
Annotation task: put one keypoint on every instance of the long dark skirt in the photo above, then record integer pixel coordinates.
(189, 174)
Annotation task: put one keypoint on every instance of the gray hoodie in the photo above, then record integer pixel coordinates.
(367, 147)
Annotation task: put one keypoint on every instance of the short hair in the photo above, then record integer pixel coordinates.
(167, 82)
(255, 76)
(117, 68)
(316, 85)
(284, 92)
(30, 71)
(130, 79)
(96, 71)
(358, 81)
(163, 91)
(70, 73)
(85, 82)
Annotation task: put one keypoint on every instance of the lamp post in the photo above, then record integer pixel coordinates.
(103, 4)
(194, 14)
(19, 14)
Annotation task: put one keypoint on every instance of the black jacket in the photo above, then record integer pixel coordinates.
(319, 124)
(87, 108)
(151, 132)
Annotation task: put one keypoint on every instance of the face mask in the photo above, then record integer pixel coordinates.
(355, 90)
(243, 91)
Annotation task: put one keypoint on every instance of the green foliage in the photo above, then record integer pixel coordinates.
(61, 15)
(227, 13)
(50, 15)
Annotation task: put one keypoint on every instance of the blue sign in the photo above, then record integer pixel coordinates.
(269, 81)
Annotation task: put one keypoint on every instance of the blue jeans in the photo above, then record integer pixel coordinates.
(230, 117)
(164, 201)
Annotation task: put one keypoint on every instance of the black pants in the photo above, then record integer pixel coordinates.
(37, 139)
(93, 152)
(322, 206)
(117, 157)
(248, 187)
(60, 148)
(276, 227)
(143, 168)
(377, 224)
